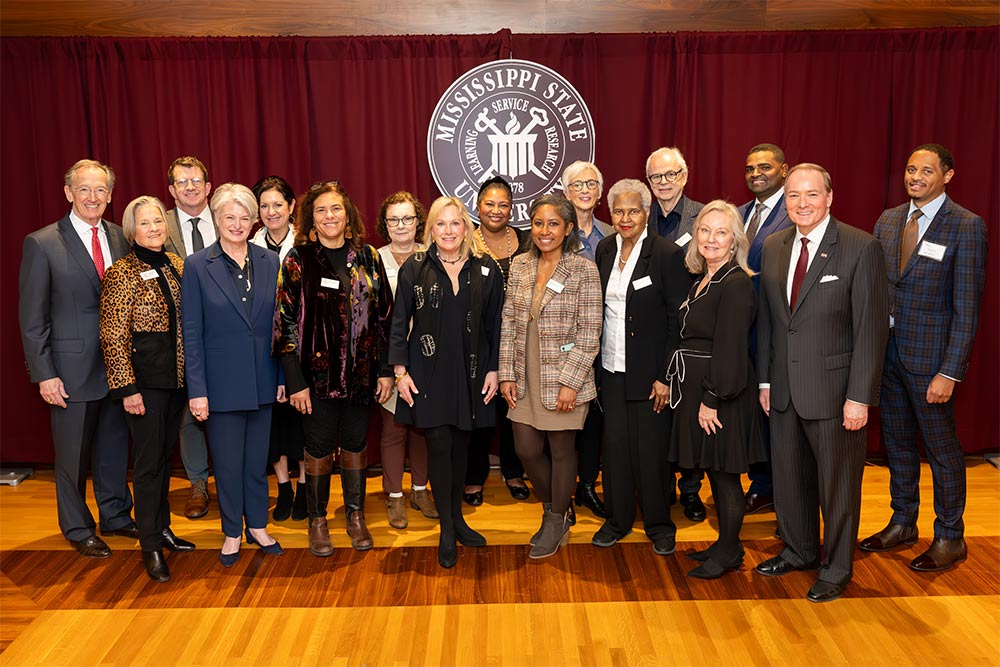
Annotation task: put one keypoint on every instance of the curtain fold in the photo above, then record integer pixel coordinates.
(356, 109)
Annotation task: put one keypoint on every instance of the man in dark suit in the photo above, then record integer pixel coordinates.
(672, 216)
(763, 215)
(59, 310)
(189, 229)
(822, 330)
(935, 255)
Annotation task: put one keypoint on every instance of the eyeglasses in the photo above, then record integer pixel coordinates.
(406, 221)
(183, 182)
(85, 191)
(323, 184)
(668, 176)
(577, 186)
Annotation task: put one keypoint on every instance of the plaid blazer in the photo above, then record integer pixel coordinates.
(935, 303)
(570, 318)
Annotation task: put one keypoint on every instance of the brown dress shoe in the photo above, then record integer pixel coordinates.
(357, 530)
(420, 499)
(397, 512)
(758, 503)
(319, 537)
(890, 537)
(197, 505)
(941, 555)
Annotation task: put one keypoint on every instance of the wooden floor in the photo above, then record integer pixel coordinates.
(395, 606)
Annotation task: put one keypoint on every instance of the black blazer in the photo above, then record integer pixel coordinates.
(651, 327)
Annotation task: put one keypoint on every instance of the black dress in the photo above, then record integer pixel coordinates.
(449, 350)
(712, 366)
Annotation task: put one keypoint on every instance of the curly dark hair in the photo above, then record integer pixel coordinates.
(304, 230)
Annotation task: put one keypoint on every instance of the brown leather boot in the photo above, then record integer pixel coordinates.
(197, 505)
(397, 512)
(352, 477)
(317, 497)
(420, 499)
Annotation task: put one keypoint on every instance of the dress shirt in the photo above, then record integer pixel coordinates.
(589, 242)
(205, 226)
(613, 347)
(83, 229)
(769, 205)
(815, 237)
(929, 210)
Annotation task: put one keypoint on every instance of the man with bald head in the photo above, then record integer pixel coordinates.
(59, 298)
(822, 329)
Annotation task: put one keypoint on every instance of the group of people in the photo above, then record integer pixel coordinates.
(680, 338)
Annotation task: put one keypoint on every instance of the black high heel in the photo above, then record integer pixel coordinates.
(273, 549)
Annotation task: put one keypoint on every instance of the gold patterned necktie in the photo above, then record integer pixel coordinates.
(754, 222)
(911, 233)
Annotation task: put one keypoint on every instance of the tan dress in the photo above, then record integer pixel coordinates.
(529, 409)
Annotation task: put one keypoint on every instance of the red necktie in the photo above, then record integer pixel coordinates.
(800, 272)
(95, 247)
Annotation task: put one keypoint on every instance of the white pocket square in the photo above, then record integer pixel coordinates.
(829, 278)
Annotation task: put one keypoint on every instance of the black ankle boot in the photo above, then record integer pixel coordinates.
(300, 506)
(587, 496)
(283, 508)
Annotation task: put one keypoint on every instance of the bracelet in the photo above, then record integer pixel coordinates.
(400, 377)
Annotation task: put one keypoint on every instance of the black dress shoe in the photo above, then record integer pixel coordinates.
(475, 498)
(694, 509)
(824, 591)
(174, 543)
(447, 552)
(709, 569)
(130, 531)
(758, 503)
(777, 566)
(890, 537)
(586, 496)
(92, 547)
(156, 566)
(941, 555)
(664, 546)
(571, 515)
(518, 492)
(604, 538)
(698, 556)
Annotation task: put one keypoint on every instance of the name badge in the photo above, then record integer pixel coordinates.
(567, 347)
(390, 272)
(683, 240)
(933, 251)
(639, 283)
(329, 283)
(555, 287)
(486, 270)
(149, 275)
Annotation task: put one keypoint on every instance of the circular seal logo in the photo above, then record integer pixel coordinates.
(511, 118)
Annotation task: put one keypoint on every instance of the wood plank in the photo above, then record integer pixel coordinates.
(144, 18)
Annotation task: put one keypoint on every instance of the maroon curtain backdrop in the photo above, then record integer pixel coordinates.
(357, 109)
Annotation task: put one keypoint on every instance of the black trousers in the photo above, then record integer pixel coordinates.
(335, 423)
(154, 436)
(588, 444)
(635, 461)
(479, 450)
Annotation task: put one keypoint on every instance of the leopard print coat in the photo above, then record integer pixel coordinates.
(140, 331)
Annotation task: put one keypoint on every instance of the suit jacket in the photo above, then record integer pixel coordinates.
(832, 347)
(59, 306)
(935, 303)
(776, 220)
(652, 332)
(228, 355)
(175, 239)
(569, 318)
(689, 210)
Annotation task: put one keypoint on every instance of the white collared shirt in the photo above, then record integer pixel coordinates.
(83, 228)
(205, 226)
(929, 210)
(815, 236)
(613, 344)
(769, 204)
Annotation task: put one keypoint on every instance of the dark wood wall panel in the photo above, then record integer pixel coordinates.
(340, 17)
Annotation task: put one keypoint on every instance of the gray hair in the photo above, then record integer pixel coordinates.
(811, 166)
(630, 186)
(670, 151)
(576, 169)
(233, 192)
(693, 260)
(128, 217)
(90, 164)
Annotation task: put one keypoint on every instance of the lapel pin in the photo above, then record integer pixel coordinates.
(823, 255)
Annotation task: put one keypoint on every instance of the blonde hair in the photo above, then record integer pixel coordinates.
(693, 260)
(470, 243)
(128, 217)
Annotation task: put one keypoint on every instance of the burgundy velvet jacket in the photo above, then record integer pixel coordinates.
(332, 339)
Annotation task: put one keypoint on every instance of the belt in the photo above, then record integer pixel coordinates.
(677, 369)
